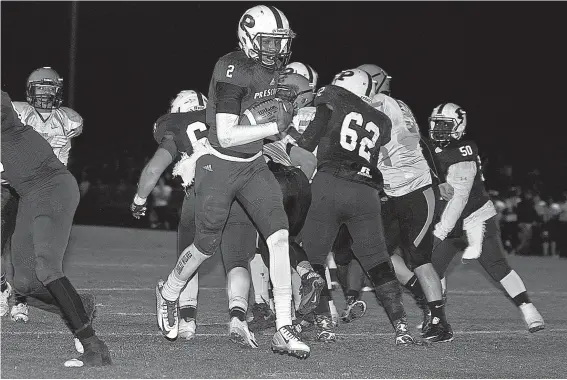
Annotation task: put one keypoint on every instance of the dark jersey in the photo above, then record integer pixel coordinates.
(177, 132)
(238, 82)
(462, 151)
(349, 143)
(28, 160)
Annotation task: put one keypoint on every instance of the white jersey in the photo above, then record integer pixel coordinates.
(277, 150)
(60, 123)
(401, 161)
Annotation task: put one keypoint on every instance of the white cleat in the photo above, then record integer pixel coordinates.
(240, 334)
(167, 314)
(532, 317)
(286, 341)
(187, 329)
(4, 296)
(19, 313)
(79, 346)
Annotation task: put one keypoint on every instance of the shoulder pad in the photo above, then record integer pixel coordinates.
(233, 68)
(21, 107)
(328, 95)
(74, 120)
(162, 126)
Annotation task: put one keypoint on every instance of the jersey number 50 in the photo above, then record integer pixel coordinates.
(349, 137)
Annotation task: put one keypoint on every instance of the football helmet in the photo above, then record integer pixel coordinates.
(447, 122)
(44, 89)
(379, 76)
(357, 81)
(304, 70)
(188, 101)
(295, 89)
(264, 35)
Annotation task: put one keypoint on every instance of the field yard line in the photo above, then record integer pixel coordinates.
(473, 332)
(454, 292)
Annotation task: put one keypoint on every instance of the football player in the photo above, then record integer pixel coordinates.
(58, 125)
(412, 197)
(49, 196)
(178, 133)
(292, 171)
(349, 133)
(457, 161)
(234, 168)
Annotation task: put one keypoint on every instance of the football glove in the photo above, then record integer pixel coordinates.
(138, 210)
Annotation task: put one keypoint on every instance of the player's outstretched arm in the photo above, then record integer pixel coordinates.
(316, 129)
(148, 179)
(461, 177)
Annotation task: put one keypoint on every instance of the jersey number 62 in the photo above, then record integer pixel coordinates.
(349, 137)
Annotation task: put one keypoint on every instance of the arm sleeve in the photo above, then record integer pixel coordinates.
(316, 129)
(461, 176)
(229, 97)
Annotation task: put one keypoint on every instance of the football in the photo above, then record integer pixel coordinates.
(264, 111)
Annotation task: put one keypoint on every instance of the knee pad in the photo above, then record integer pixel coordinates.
(210, 220)
(47, 271)
(382, 274)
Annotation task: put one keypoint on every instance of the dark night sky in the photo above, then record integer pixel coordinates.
(502, 61)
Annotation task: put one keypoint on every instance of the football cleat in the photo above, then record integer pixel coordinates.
(264, 317)
(167, 314)
(325, 328)
(286, 341)
(240, 334)
(437, 332)
(4, 296)
(311, 286)
(403, 337)
(96, 355)
(355, 309)
(187, 328)
(532, 317)
(19, 313)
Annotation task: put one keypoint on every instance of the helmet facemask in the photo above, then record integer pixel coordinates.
(272, 50)
(443, 130)
(46, 94)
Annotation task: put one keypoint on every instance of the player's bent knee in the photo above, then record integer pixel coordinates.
(382, 274)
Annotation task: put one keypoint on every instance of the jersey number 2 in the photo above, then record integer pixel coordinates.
(349, 137)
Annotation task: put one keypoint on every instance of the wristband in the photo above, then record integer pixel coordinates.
(139, 200)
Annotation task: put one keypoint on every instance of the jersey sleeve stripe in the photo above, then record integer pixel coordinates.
(200, 98)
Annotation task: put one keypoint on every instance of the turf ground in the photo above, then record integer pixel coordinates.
(122, 266)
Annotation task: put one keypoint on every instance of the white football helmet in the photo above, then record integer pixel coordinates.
(264, 35)
(304, 70)
(188, 101)
(447, 122)
(295, 89)
(379, 76)
(44, 89)
(357, 81)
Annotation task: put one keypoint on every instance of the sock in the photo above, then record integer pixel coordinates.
(187, 264)
(444, 286)
(188, 312)
(333, 275)
(189, 294)
(18, 298)
(280, 275)
(437, 312)
(238, 313)
(325, 298)
(515, 288)
(71, 306)
(390, 296)
(260, 279)
(4, 284)
(303, 268)
(295, 289)
(238, 285)
(414, 287)
(342, 277)
(356, 276)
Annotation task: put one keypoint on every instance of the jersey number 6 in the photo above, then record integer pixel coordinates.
(192, 131)
(349, 137)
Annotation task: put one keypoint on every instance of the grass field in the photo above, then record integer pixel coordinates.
(122, 266)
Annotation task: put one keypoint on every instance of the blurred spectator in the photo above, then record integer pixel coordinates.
(560, 223)
(161, 195)
(527, 219)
